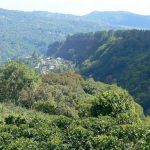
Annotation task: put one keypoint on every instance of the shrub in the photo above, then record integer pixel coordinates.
(112, 103)
(14, 78)
(103, 142)
(15, 120)
(23, 144)
(46, 106)
(79, 138)
(62, 122)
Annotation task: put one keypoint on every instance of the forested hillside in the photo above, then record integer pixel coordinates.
(64, 111)
(22, 33)
(74, 82)
(113, 57)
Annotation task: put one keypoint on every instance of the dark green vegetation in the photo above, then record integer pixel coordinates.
(64, 111)
(121, 57)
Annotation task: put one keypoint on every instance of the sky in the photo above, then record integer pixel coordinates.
(78, 7)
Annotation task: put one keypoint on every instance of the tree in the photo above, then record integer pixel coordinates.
(112, 103)
(14, 78)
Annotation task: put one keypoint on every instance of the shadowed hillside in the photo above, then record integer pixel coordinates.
(115, 56)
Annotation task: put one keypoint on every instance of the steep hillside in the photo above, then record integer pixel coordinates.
(121, 57)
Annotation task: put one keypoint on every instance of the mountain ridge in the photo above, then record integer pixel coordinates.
(121, 18)
(22, 32)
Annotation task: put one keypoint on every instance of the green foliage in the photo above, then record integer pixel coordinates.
(121, 57)
(98, 126)
(57, 144)
(14, 78)
(23, 143)
(103, 142)
(15, 120)
(45, 106)
(79, 138)
(22, 33)
(112, 103)
(62, 122)
(66, 94)
(65, 112)
(43, 131)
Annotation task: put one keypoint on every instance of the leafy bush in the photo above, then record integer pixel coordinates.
(14, 78)
(15, 120)
(112, 103)
(23, 143)
(103, 142)
(79, 138)
(62, 122)
(98, 126)
(46, 106)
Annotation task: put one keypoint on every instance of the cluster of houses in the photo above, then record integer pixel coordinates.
(45, 65)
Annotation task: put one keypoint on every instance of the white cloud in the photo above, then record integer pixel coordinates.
(78, 7)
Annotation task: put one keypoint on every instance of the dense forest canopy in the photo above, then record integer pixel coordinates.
(64, 111)
(120, 57)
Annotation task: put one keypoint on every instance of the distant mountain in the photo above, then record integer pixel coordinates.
(120, 18)
(121, 57)
(22, 33)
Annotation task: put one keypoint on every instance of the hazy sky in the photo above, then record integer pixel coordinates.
(78, 7)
